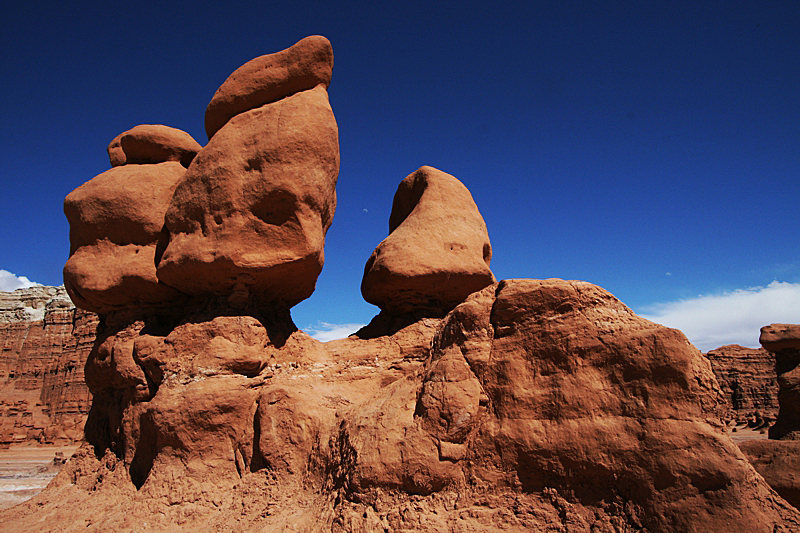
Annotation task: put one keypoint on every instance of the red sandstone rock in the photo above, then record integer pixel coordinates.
(152, 143)
(536, 405)
(779, 337)
(748, 381)
(783, 340)
(779, 463)
(437, 252)
(251, 214)
(269, 78)
(115, 225)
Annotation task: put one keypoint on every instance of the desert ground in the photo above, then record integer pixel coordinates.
(26, 470)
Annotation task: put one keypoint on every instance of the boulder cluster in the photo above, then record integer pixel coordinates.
(466, 405)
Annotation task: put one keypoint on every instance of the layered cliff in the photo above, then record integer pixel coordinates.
(44, 343)
(748, 381)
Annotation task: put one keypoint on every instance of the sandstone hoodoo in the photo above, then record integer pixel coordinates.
(784, 341)
(251, 214)
(778, 459)
(116, 222)
(523, 405)
(437, 252)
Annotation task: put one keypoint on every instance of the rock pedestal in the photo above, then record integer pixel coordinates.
(437, 252)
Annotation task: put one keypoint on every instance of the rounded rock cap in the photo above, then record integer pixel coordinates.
(152, 143)
(270, 78)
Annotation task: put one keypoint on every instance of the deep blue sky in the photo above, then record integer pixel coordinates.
(652, 148)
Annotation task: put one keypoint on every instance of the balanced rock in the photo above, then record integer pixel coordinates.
(269, 78)
(250, 216)
(152, 143)
(116, 221)
(437, 252)
(776, 459)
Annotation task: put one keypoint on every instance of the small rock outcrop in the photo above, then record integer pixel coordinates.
(437, 252)
(783, 340)
(748, 382)
(251, 214)
(44, 344)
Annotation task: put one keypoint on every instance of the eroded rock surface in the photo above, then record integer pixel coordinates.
(783, 340)
(466, 405)
(251, 214)
(537, 404)
(116, 222)
(269, 78)
(152, 143)
(437, 252)
(777, 458)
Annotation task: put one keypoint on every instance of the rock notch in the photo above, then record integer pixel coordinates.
(437, 252)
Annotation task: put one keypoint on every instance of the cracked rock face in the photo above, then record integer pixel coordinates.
(437, 252)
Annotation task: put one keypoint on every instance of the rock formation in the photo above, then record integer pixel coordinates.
(45, 342)
(116, 222)
(778, 459)
(437, 252)
(748, 382)
(524, 405)
(250, 216)
(783, 340)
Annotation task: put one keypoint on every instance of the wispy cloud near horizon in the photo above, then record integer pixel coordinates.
(711, 321)
(326, 331)
(10, 282)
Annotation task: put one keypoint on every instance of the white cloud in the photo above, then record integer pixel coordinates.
(730, 318)
(9, 282)
(325, 331)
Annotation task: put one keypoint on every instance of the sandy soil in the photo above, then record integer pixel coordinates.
(26, 470)
(743, 433)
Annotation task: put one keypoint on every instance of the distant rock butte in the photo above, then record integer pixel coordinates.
(437, 252)
(45, 342)
(466, 405)
(748, 382)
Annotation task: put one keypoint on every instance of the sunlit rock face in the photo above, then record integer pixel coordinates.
(250, 216)
(467, 405)
(437, 252)
(116, 222)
